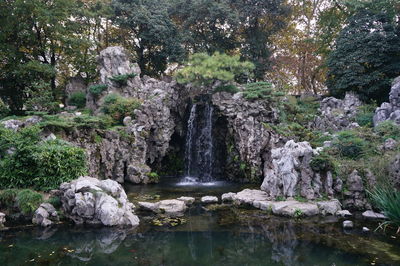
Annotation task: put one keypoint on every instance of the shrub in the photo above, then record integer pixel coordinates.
(258, 90)
(388, 129)
(118, 107)
(41, 99)
(77, 99)
(323, 162)
(227, 88)
(7, 198)
(365, 115)
(387, 199)
(98, 89)
(28, 201)
(55, 201)
(43, 165)
(4, 110)
(350, 145)
(122, 80)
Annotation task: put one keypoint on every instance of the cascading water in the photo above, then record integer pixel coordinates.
(199, 144)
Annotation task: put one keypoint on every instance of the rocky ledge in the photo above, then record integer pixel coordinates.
(88, 200)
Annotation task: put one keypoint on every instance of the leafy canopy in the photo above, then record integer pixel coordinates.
(204, 70)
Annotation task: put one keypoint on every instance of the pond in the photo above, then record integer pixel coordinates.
(220, 235)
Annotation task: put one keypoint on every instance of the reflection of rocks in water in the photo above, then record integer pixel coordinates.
(47, 232)
(105, 240)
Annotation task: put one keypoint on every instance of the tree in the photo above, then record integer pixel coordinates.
(366, 57)
(154, 37)
(205, 70)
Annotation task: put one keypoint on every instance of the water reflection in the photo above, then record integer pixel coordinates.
(266, 241)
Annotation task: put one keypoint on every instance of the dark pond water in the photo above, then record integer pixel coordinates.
(224, 236)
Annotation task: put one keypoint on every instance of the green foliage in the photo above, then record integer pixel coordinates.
(55, 201)
(97, 89)
(28, 201)
(204, 70)
(350, 145)
(122, 80)
(41, 99)
(300, 198)
(322, 162)
(227, 88)
(388, 129)
(7, 198)
(119, 108)
(4, 110)
(366, 58)
(387, 199)
(153, 177)
(77, 99)
(365, 115)
(258, 91)
(42, 165)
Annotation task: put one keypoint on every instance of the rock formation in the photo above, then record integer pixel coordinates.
(2, 219)
(246, 123)
(337, 114)
(288, 173)
(45, 215)
(88, 200)
(390, 110)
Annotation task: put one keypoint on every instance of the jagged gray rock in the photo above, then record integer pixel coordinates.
(246, 122)
(390, 110)
(170, 207)
(92, 201)
(2, 219)
(373, 215)
(394, 171)
(355, 197)
(348, 224)
(209, 199)
(45, 215)
(289, 171)
(337, 114)
(187, 200)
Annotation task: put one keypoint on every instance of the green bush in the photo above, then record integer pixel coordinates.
(387, 199)
(322, 162)
(227, 88)
(122, 80)
(42, 165)
(388, 129)
(77, 99)
(7, 198)
(365, 115)
(258, 90)
(350, 145)
(4, 110)
(41, 99)
(118, 107)
(55, 201)
(28, 201)
(98, 89)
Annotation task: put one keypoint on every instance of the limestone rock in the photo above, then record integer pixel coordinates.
(75, 84)
(373, 215)
(92, 201)
(289, 171)
(2, 219)
(12, 124)
(343, 213)
(187, 200)
(45, 215)
(365, 229)
(389, 145)
(170, 207)
(329, 207)
(295, 209)
(394, 171)
(390, 110)
(248, 196)
(209, 199)
(337, 114)
(228, 197)
(355, 197)
(348, 224)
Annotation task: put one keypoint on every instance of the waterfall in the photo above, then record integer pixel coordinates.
(189, 141)
(199, 143)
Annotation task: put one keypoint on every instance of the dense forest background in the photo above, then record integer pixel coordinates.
(301, 46)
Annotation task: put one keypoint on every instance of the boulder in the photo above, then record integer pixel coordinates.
(373, 215)
(348, 224)
(293, 208)
(12, 124)
(343, 213)
(187, 200)
(170, 207)
(88, 200)
(248, 196)
(2, 219)
(390, 110)
(365, 229)
(45, 215)
(209, 199)
(228, 197)
(329, 207)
